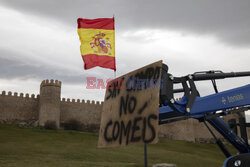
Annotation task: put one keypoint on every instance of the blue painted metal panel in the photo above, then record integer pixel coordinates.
(221, 101)
(208, 104)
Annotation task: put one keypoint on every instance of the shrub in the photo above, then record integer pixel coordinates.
(91, 128)
(73, 125)
(51, 125)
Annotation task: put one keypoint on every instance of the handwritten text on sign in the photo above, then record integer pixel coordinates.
(130, 109)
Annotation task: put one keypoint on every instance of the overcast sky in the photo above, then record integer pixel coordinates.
(39, 41)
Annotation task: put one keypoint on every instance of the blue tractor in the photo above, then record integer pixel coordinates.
(209, 109)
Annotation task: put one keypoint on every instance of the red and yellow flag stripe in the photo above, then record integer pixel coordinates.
(97, 38)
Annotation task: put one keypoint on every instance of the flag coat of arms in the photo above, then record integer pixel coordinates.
(97, 38)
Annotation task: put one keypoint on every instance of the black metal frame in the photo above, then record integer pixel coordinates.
(190, 91)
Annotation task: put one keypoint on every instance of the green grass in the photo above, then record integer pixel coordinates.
(35, 147)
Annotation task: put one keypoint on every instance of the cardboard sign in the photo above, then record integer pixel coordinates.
(130, 109)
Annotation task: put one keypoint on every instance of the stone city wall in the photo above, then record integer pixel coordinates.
(48, 106)
(16, 108)
(88, 113)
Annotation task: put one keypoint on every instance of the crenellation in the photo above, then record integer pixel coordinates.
(21, 95)
(79, 101)
(49, 106)
(51, 83)
(59, 83)
(3, 93)
(26, 95)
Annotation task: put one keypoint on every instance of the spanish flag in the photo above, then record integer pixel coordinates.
(97, 38)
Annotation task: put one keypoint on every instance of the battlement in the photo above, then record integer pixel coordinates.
(48, 106)
(51, 83)
(36, 110)
(78, 101)
(21, 95)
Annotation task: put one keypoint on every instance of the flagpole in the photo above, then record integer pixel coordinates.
(114, 47)
(145, 156)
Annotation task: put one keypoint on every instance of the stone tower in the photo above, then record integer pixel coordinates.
(49, 103)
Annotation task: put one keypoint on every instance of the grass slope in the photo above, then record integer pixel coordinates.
(57, 148)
